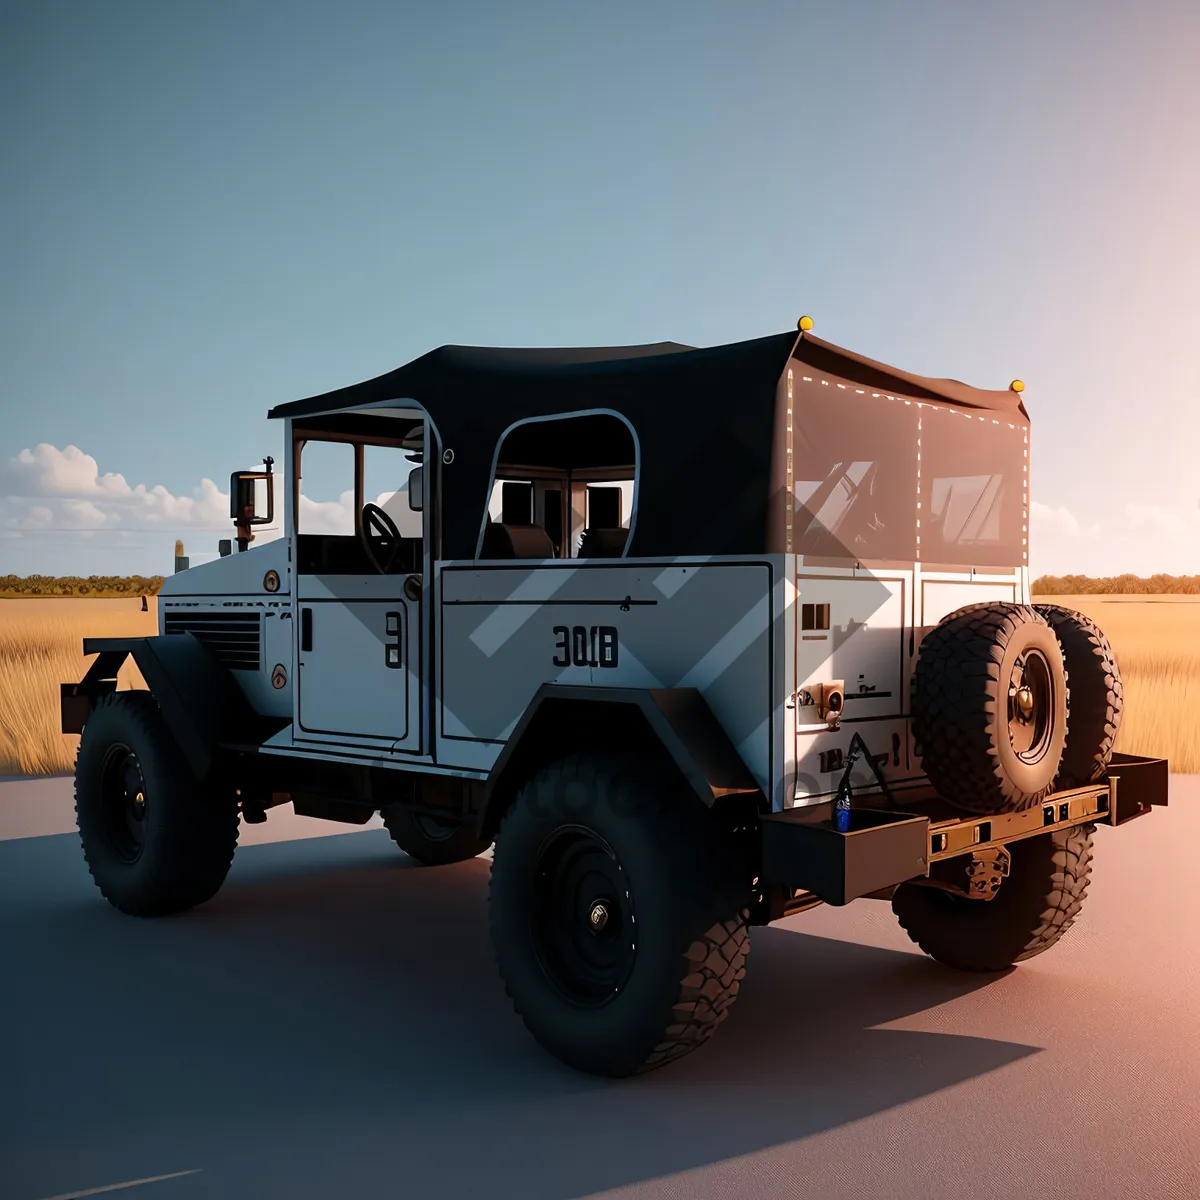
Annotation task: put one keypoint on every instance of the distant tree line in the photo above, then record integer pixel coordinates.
(116, 586)
(104, 587)
(1129, 585)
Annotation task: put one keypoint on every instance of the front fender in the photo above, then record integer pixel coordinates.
(200, 701)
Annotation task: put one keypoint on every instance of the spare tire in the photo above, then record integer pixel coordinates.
(989, 707)
(1097, 696)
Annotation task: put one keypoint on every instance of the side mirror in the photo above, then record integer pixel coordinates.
(249, 504)
(416, 489)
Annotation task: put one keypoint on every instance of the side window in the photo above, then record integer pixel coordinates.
(326, 489)
(563, 488)
(387, 471)
(855, 478)
(512, 502)
(609, 505)
(974, 489)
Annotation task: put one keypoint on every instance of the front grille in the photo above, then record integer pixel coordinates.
(234, 638)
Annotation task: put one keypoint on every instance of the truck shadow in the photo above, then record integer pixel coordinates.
(334, 1013)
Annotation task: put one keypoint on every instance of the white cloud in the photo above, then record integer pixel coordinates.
(1150, 519)
(48, 489)
(51, 489)
(1139, 539)
(1052, 520)
(48, 471)
(328, 516)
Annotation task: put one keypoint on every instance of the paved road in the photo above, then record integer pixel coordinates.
(331, 1025)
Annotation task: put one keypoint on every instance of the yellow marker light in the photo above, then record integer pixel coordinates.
(804, 324)
(1016, 386)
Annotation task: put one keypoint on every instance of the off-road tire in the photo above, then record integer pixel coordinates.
(688, 911)
(190, 832)
(961, 707)
(1097, 696)
(1034, 907)
(432, 841)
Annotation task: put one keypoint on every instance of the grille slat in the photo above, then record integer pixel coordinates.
(235, 639)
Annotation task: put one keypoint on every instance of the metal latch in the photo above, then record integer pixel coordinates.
(828, 698)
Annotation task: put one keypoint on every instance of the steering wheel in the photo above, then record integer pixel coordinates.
(381, 537)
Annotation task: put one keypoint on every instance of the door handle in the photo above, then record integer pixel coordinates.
(393, 627)
(306, 629)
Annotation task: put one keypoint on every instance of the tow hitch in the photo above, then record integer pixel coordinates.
(976, 878)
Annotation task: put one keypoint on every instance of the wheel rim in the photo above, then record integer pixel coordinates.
(123, 803)
(435, 829)
(583, 919)
(1031, 706)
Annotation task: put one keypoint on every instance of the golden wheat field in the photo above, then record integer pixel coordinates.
(41, 646)
(1157, 640)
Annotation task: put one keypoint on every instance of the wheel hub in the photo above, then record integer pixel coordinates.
(582, 921)
(124, 803)
(1030, 706)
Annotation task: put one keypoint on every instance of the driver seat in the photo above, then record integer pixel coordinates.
(516, 541)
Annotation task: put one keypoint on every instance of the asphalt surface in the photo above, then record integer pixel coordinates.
(332, 1025)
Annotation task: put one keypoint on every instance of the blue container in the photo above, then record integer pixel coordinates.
(841, 812)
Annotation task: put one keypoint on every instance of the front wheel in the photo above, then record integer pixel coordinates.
(617, 918)
(154, 840)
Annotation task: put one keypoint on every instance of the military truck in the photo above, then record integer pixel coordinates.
(697, 638)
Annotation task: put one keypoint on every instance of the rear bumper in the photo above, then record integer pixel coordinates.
(801, 849)
(1141, 784)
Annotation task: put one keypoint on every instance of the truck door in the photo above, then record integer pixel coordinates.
(358, 631)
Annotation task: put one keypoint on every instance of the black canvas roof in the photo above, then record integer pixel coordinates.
(703, 418)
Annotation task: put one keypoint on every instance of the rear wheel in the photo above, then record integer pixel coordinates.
(434, 841)
(155, 841)
(989, 704)
(617, 917)
(1033, 908)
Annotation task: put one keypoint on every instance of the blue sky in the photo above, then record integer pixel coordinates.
(214, 208)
